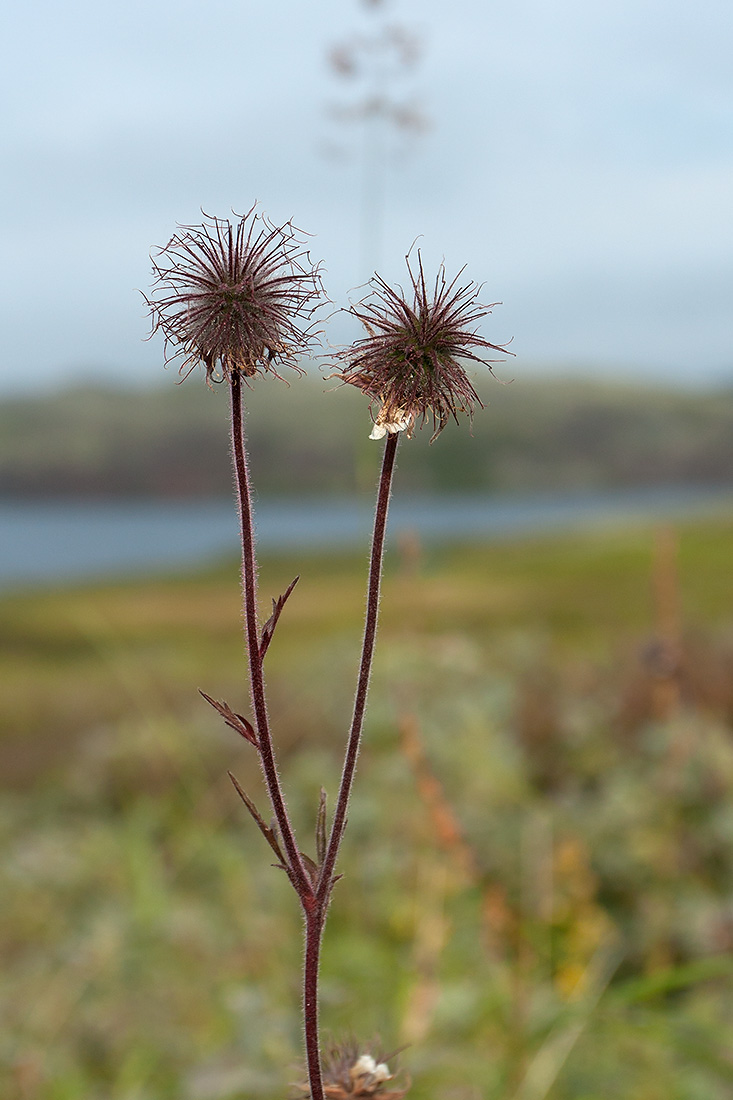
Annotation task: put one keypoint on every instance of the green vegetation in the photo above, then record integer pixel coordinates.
(540, 851)
(546, 434)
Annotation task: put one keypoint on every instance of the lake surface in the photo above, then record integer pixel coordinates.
(50, 542)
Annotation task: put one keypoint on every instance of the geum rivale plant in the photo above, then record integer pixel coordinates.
(241, 299)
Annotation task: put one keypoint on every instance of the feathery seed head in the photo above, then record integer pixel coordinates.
(410, 360)
(235, 297)
(351, 1073)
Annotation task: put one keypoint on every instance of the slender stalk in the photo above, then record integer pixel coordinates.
(315, 904)
(314, 925)
(257, 681)
(315, 920)
(367, 653)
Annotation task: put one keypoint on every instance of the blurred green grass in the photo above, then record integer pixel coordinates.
(539, 866)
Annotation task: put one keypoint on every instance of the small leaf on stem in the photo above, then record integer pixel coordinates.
(311, 867)
(269, 628)
(267, 832)
(321, 828)
(332, 883)
(235, 721)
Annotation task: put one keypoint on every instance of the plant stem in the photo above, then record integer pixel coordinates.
(314, 903)
(314, 925)
(367, 652)
(315, 920)
(296, 869)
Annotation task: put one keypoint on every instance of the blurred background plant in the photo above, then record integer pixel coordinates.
(376, 67)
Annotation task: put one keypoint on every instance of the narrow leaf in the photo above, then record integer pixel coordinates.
(311, 868)
(266, 831)
(269, 628)
(321, 829)
(235, 721)
(332, 883)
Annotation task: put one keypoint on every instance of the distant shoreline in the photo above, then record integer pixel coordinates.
(60, 541)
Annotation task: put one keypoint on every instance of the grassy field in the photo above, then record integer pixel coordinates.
(539, 868)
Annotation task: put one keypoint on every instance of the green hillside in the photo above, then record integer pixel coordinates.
(311, 437)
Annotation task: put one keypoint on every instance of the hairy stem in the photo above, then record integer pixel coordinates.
(314, 903)
(314, 924)
(297, 871)
(367, 653)
(316, 919)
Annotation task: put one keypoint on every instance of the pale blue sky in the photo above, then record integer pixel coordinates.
(580, 162)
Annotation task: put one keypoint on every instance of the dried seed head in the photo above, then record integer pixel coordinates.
(410, 361)
(352, 1073)
(235, 297)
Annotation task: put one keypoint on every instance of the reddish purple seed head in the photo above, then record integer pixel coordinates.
(235, 297)
(411, 360)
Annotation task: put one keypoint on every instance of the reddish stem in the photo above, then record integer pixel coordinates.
(316, 919)
(362, 687)
(257, 681)
(314, 925)
(314, 903)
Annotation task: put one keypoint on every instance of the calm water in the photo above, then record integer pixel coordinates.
(49, 542)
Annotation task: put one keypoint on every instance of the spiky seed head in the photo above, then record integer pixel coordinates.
(410, 361)
(237, 297)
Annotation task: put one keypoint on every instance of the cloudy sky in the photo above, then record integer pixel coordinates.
(579, 160)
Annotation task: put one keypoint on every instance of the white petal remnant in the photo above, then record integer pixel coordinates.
(363, 1066)
(368, 1076)
(390, 419)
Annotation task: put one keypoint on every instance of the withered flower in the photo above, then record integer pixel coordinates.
(350, 1073)
(410, 360)
(235, 297)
